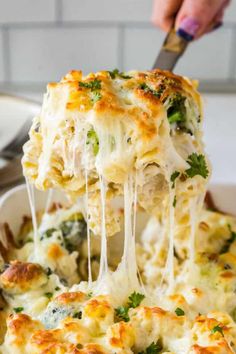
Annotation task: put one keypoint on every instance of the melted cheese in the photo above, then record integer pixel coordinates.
(136, 153)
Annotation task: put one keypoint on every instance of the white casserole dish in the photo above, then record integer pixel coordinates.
(14, 204)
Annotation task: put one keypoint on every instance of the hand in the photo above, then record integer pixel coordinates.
(191, 18)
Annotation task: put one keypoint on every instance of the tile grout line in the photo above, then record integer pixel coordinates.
(207, 85)
(58, 12)
(84, 24)
(71, 24)
(6, 55)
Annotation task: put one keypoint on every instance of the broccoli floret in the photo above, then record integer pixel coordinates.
(92, 139)
(176, 111)
(55, 313)
(74, 231)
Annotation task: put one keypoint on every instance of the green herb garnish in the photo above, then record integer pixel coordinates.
(135, 300)
(153, 348)
(173, 177)
(217, 329)
(198, 166)
(122, 313)
(116, 73)
(78, 315)
(179, 312)
(18, 309)
(92, 139)
(146, 88)
(57, 288)
(92, 85)
(48, 295)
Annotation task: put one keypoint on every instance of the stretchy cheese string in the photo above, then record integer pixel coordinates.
(49, 200)
(171, 232)
(86, 204)
(88, 229)
(31, 197)
(103, 271)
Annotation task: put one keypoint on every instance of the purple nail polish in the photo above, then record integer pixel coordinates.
(188, 28)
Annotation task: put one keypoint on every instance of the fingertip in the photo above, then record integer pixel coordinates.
(165, 25)
(188, 28)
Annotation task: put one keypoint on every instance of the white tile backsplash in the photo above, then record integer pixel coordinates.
(41, 55)
(205, 59)
(21, 11)
(208, 58)
(1, 57)
(49, 37)
(230, 13)
(141, 47)
(106, 10)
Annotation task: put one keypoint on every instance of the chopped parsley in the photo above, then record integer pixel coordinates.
(179, 312)
(198, 166)
(18, 309)
(49, 295)
(78, 315)
(122, 313)
(173, 177)
(153, 348)
(228, 242)
(57, 288)
(176, 112)
(116, 73)
(135, 300)
(92, 139)
(217, 329)
(146, 88)
(92, 85)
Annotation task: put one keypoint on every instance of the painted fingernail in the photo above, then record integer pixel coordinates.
(188, 28)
